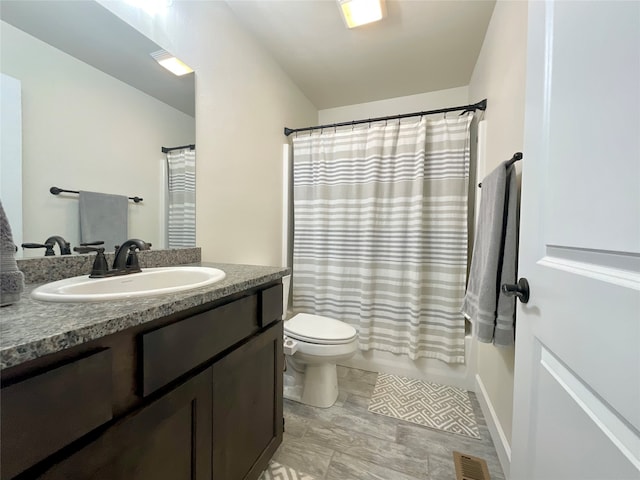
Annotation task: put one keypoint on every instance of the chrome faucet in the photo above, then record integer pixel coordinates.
(126, 260)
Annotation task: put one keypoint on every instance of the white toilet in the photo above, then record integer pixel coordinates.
(313, 345)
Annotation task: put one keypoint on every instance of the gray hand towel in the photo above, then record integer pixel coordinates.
(103, 217)
(494, 259)
(11, 279)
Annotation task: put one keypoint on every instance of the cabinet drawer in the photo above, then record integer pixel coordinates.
(173, 350)
(46, 412)
(270, 305)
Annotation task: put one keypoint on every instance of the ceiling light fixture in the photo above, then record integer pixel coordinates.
(171, 63)
(361, 12)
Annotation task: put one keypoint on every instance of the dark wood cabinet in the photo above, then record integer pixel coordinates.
(194, 396)
(49, 410)
(169, 438)
(247, 407)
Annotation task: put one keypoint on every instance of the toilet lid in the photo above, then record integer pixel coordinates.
(317, 329)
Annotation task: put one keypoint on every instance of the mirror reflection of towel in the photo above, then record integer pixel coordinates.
(103, 217)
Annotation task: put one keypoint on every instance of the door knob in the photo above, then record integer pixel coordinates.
(520, 290)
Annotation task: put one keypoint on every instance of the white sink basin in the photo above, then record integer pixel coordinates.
(151, 281)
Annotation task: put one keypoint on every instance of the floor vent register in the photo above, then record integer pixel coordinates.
(469, 467)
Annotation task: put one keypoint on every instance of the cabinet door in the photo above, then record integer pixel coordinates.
(247, 407)
(170, 438)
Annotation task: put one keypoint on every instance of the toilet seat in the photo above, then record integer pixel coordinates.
(319, 330)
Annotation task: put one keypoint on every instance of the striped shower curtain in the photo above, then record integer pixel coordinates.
(182, 198)
(380, 233)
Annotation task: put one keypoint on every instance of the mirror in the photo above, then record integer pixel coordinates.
(96, 111)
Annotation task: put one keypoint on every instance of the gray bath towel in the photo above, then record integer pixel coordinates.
(11, 279)
(494, 259)
(103, 217)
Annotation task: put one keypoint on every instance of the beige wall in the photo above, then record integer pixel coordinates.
(499, 76)
(85, 130)
(243, 102)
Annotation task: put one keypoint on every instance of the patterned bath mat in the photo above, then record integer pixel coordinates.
(277, 471)
(429, 404)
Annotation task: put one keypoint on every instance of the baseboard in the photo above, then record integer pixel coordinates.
(503, 449)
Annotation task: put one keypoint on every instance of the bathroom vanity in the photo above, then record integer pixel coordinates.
(184, 386)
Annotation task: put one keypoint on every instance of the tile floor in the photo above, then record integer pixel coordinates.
(347, 442)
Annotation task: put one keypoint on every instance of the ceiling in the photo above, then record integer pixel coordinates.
(420, 46)
(91, 33)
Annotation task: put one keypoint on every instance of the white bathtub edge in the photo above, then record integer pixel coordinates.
(427, 369)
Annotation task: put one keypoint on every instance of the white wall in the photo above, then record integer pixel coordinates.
(393, 106)
(499, 75)
(243, 102)
(85, 130)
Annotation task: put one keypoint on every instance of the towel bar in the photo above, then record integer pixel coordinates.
(56, 191)
(516, 157)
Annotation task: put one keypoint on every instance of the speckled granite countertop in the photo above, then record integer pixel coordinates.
(32, 328)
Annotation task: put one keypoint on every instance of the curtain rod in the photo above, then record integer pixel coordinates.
(481, 105)
(168, 149)
(57, 191)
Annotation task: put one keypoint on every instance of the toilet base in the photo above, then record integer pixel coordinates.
(312, 384)
(320, 385)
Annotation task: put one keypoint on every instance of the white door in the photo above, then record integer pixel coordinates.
(577, 369)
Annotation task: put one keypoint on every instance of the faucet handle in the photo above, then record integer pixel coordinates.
(49, 246)
(87, 249)
(100, 267)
